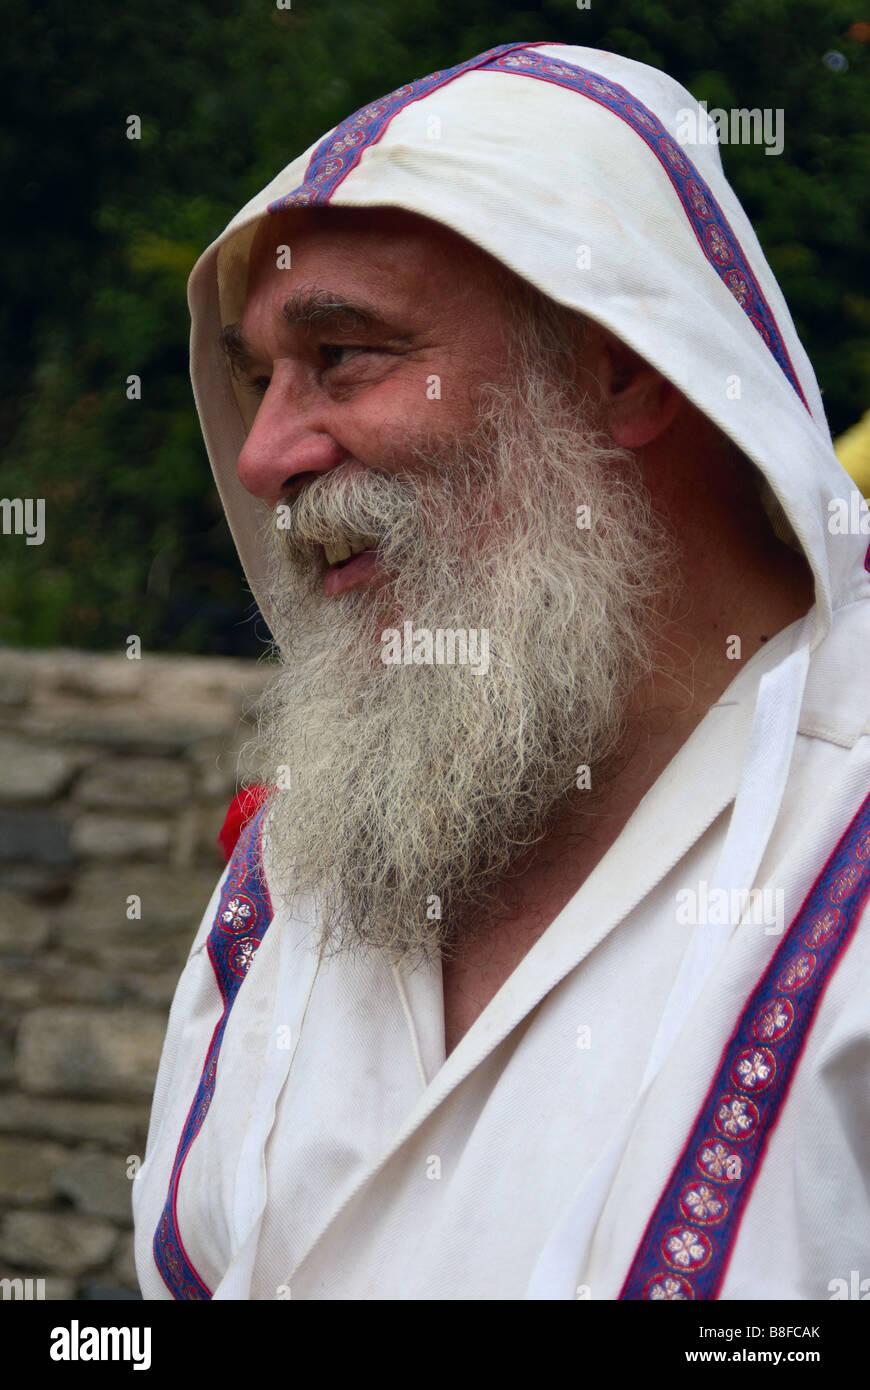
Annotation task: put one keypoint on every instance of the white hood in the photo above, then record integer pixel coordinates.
(533, 152)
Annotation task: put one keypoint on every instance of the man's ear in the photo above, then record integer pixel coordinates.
(637, 401)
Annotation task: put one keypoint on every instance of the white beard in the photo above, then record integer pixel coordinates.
(413, 789)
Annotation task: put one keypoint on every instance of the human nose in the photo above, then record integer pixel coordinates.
(290, 436)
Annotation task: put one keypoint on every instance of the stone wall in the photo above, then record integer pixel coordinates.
(115, 776)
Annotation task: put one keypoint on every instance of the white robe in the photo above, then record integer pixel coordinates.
(357, 1163)
(339, 1154)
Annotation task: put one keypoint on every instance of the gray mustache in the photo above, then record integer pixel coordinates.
(374, 505)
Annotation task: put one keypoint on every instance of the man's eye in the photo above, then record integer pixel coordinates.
(332, 353)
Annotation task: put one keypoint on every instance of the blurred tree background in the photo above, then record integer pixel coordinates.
(101, 233)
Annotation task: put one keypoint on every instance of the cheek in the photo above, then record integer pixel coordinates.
(400, 417)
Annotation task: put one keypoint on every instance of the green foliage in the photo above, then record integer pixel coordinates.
(101, 233)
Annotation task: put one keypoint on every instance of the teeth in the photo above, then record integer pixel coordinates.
(339, 551)
(344, 546)
(361, 543)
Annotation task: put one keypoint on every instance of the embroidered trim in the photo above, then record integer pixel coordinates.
(241, 921)
(686, 1247)
(341, 151)
(709, 223)
(338, 154)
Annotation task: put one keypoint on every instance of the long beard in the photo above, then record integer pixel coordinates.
(408, 791)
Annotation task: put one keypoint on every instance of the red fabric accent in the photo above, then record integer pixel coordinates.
(243, 807)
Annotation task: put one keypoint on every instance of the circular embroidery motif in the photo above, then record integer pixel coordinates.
(798, 973)
(685, 1248)
(663, 1285)
(702, 1203)
(698, 199)
(753, 1069)
(348, 141)
(334, 166)
(673, 154)
(736, 1117)
(718, 245)
(845, 882)
(239, 914)
(739, 287)
(718, 1160)
(643, 118)
(241, 956)
(603, 89)
(822, 927)
(773, 1020)
(368, 114)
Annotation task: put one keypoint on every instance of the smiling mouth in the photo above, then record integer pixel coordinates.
(340, 551)
(352, 564)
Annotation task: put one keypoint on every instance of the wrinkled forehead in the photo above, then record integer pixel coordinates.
(389, 259)
(401, 253)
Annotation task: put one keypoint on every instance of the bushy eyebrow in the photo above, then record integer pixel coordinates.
(236, 349)
(309, 307)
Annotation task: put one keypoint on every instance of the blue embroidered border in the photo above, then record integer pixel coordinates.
(685, 1250)
(338, 154)
(241, 921)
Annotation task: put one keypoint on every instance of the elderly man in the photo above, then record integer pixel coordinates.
(536, 974)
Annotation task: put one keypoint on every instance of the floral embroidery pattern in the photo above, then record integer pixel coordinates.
(237, 914)
(821, 928)
(720, 1161)
(739, 287)
(684, 1250)
(669, 1286)
(244, 906)
(736, 1117)
(773, 1021)
(702, 1203)
(798, 972)
(242, 957)
(754, 1069)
